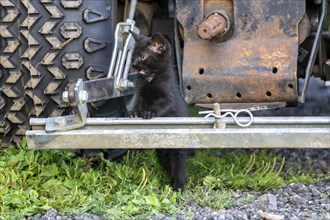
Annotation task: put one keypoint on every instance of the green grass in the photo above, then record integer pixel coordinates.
(35, 181)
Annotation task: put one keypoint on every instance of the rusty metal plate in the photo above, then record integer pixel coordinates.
(255, 62)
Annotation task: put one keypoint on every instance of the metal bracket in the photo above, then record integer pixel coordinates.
(81, 93)
(68, 122)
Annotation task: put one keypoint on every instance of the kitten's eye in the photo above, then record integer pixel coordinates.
(143, 57)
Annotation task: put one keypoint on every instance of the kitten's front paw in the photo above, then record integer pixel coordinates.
(132, 114)
(147, 114)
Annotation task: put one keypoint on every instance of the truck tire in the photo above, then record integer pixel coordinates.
(43, 45)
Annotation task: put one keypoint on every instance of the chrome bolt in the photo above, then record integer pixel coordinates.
(84, 96)
(130, 84)
(122, 84)
(65, 96)
(60, 121)
(125, 84)
(327, 62)
(326, 71)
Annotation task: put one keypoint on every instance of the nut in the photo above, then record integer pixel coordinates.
(84, 96)
(130, 84)
(65, 96)
(125, 84)
(60, 121)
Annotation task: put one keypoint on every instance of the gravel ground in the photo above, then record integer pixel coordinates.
(294, 202)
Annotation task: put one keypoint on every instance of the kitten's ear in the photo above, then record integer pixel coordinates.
(137, 37)
(157, 43)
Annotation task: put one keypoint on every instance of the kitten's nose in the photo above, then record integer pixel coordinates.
(134, 66)
(133, 62)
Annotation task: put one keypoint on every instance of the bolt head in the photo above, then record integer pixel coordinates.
(125, 84)
(327, 62)
(65, 96)
(84, 96)
(130, 84)
(60, 121)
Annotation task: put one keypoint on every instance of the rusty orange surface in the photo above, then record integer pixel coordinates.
(256, 62)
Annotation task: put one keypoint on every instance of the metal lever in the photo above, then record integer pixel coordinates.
(315, 48)
(122, 51)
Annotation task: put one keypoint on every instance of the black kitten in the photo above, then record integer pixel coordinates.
(158, 95)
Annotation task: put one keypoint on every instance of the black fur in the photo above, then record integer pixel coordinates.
(158, 95)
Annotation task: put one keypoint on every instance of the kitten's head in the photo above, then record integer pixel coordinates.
(149, 54)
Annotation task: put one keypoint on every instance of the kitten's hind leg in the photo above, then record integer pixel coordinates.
(163, 157)
(178, 172)
(174, 162)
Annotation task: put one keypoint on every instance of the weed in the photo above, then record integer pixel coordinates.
(248, 199)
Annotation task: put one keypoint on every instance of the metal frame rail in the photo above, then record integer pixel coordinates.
(264, 132)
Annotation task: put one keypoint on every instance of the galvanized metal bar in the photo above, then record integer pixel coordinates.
(198, 121)
(132, 9)
(181, 138)
(281, 132)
